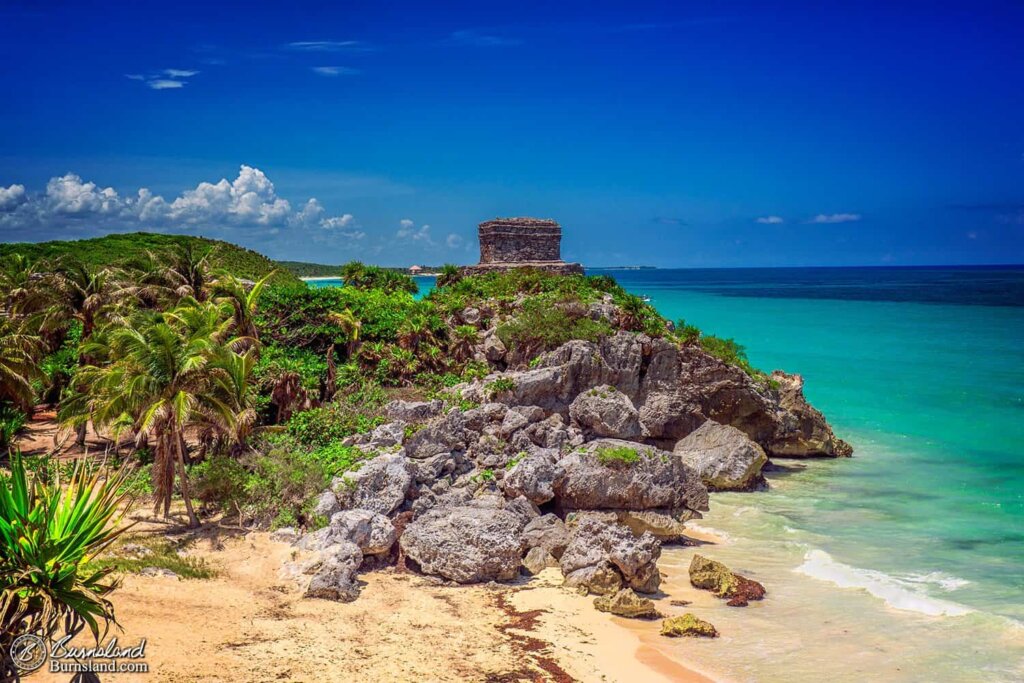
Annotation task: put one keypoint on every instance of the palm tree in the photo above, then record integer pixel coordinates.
(20, 352)
(170, 373)
(243, 299)
(188, 271)
(450, 274)
(21, 287)
(350, 327)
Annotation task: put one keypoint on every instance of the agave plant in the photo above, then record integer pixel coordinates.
(48, 535)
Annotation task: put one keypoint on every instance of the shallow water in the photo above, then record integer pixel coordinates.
(907, 561)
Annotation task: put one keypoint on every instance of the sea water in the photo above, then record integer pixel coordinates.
(905, 562)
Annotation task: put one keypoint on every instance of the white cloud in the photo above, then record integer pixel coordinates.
(179, 73)
(334, 70)
(165, 84)
(835, 218)
(12, 196)
(453, 241)
(408, 231)
(770, 220)
(248, 201)
(325, 45)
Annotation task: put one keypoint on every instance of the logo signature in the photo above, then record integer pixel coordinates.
(28, 652)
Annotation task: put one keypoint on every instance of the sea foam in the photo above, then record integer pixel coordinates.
(903, 594)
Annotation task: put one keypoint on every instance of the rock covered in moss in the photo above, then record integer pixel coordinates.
(687, 626)
(626, 603)
(723, 582)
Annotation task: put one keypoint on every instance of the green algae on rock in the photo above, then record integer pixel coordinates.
(723, 582)
(626, 603)
(687, 626)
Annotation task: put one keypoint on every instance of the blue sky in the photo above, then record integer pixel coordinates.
(669, 134)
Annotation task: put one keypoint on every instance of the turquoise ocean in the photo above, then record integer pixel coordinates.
(905, 562)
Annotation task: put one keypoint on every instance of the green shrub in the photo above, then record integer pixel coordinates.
(60, 366)
(613, 456)
(687, 333)
(542, 325)
(48, 531)
(162, 555)
(728, 351)
(11, 422)
(275, 359)
(500, 386)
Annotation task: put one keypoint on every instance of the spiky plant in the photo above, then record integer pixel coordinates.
(48, 534)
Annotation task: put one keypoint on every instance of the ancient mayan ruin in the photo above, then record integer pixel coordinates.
(522, 243)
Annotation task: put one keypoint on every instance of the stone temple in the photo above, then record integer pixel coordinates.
(507, 243)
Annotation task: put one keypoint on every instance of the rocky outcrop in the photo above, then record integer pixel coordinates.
(802, 430)
(413, 411)
(723, 582)
(372, 532)
(380, 485)
(466, 544)
(725, 458)
(604, 411)
(626, 603)
(334, 575)
(612, 474)
(604, 556)
(687, 626)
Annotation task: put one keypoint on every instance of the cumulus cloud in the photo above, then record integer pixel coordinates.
(453, 241)
(407, 231)
(165, 79)
(835, 218)
(248, 201)
(12, 196)
(334, 70)
(770, 220)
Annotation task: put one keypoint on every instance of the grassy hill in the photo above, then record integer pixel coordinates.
(122, 249)
(303, 269)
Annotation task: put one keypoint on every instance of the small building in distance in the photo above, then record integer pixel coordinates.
(415, 270)
(507, 243)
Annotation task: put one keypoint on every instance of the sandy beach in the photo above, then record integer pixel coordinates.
(250, 623)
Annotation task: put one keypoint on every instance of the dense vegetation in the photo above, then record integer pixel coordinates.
(128, 249)
(303, 269)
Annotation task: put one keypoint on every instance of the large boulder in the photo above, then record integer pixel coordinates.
(604, 411)
(621, 475)
(334, 576)
(466, 544)
(371, 531)
(533, 476)
(442, 434)
(380, 485)
(547, 532)
(626, 603)
(687, 626)
(413, 411)
(725, 458)
(723, 582)
(596, 545)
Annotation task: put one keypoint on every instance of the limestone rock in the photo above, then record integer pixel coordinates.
(466, 544)
(335, 576)
(598, 579)
(494, 349)
(380, 485)
(596, 543)
(725, 457)
(687, 626)
(547, 532)
(626, 603)
(371, 531)
(413, 411)
(723, 582)
(802, 430)
(621, 475)
(604, 411)
(534, 476)
(442, 434)
(537, 560)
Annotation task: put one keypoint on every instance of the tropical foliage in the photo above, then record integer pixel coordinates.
(48, 534)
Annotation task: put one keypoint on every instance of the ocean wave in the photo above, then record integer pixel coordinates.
(708, 530)
(902, 594)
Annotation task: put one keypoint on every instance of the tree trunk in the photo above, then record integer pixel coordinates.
(193, 521)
